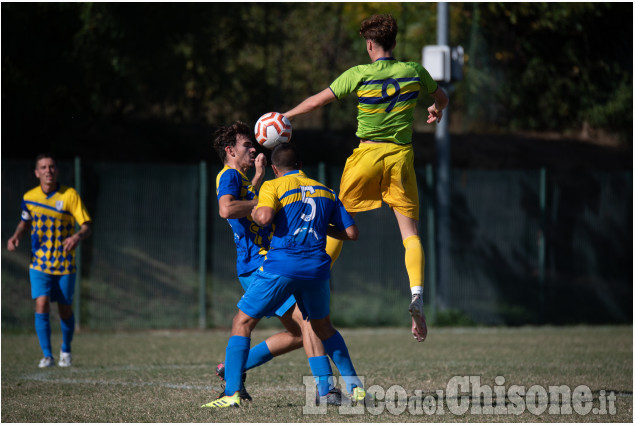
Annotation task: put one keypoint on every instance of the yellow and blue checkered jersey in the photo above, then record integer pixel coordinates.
(53, 217)
(251, 240)
(303, 210)
(387, 92)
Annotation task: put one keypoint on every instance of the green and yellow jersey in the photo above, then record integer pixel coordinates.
(387, 92)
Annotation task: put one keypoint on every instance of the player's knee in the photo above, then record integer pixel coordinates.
(323, 328)
(243, 325)
(293, 328)
(296, 341)
(66, 311)
(42, 305)
(292, 322)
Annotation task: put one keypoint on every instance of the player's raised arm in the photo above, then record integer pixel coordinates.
(260, 163)
(311, 103)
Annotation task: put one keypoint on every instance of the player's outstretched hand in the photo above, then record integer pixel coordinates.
(434, 114)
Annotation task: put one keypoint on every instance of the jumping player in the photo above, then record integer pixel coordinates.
(382, 167)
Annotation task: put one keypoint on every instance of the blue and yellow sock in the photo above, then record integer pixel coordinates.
(235, 356)
(68, 330)
(321, 370)
(258, 355)
(336, 348)
(43, 331)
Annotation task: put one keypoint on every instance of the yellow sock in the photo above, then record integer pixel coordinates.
(333, 248)
(415, 260)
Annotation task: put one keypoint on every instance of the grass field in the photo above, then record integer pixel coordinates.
(164, 376)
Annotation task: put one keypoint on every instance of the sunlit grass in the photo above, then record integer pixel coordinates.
(165, 376)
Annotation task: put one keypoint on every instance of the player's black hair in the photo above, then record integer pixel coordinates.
(45, 155)
(382, 29)
(227, 135)
(285, 156)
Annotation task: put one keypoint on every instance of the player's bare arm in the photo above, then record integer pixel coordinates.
(71, 242)
(260, 163)
(351, 233)
(22, 229)
(311, 103)
(230, 207)
(441, 100)
(263, 216)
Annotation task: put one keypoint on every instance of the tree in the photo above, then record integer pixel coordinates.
(80, 76)
(552, 65)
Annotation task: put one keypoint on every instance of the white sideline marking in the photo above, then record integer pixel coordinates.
(48, 377)
(122, 383)
(137, 367)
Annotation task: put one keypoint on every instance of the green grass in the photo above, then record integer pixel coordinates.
(164, 376)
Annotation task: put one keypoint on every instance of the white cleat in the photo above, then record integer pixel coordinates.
(419, 327)
(46, 362)
(65, 359)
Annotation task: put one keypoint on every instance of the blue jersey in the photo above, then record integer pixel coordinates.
(304, 208)
(252, 241)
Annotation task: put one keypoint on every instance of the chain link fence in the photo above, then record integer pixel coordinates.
(524, 247)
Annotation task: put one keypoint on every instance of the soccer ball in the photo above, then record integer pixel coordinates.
(272, 129)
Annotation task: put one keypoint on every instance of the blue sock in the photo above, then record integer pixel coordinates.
(321, 369)
(235, 358)
(43, 331)
(258, 355)
(336, 348)
(68, 329)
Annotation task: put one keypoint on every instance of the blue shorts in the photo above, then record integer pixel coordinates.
(248, 278)
(267, 292)
(59, 287)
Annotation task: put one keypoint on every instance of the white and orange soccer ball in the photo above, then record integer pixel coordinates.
(272, 129)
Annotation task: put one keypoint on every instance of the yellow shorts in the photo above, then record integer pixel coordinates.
(377, 172)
